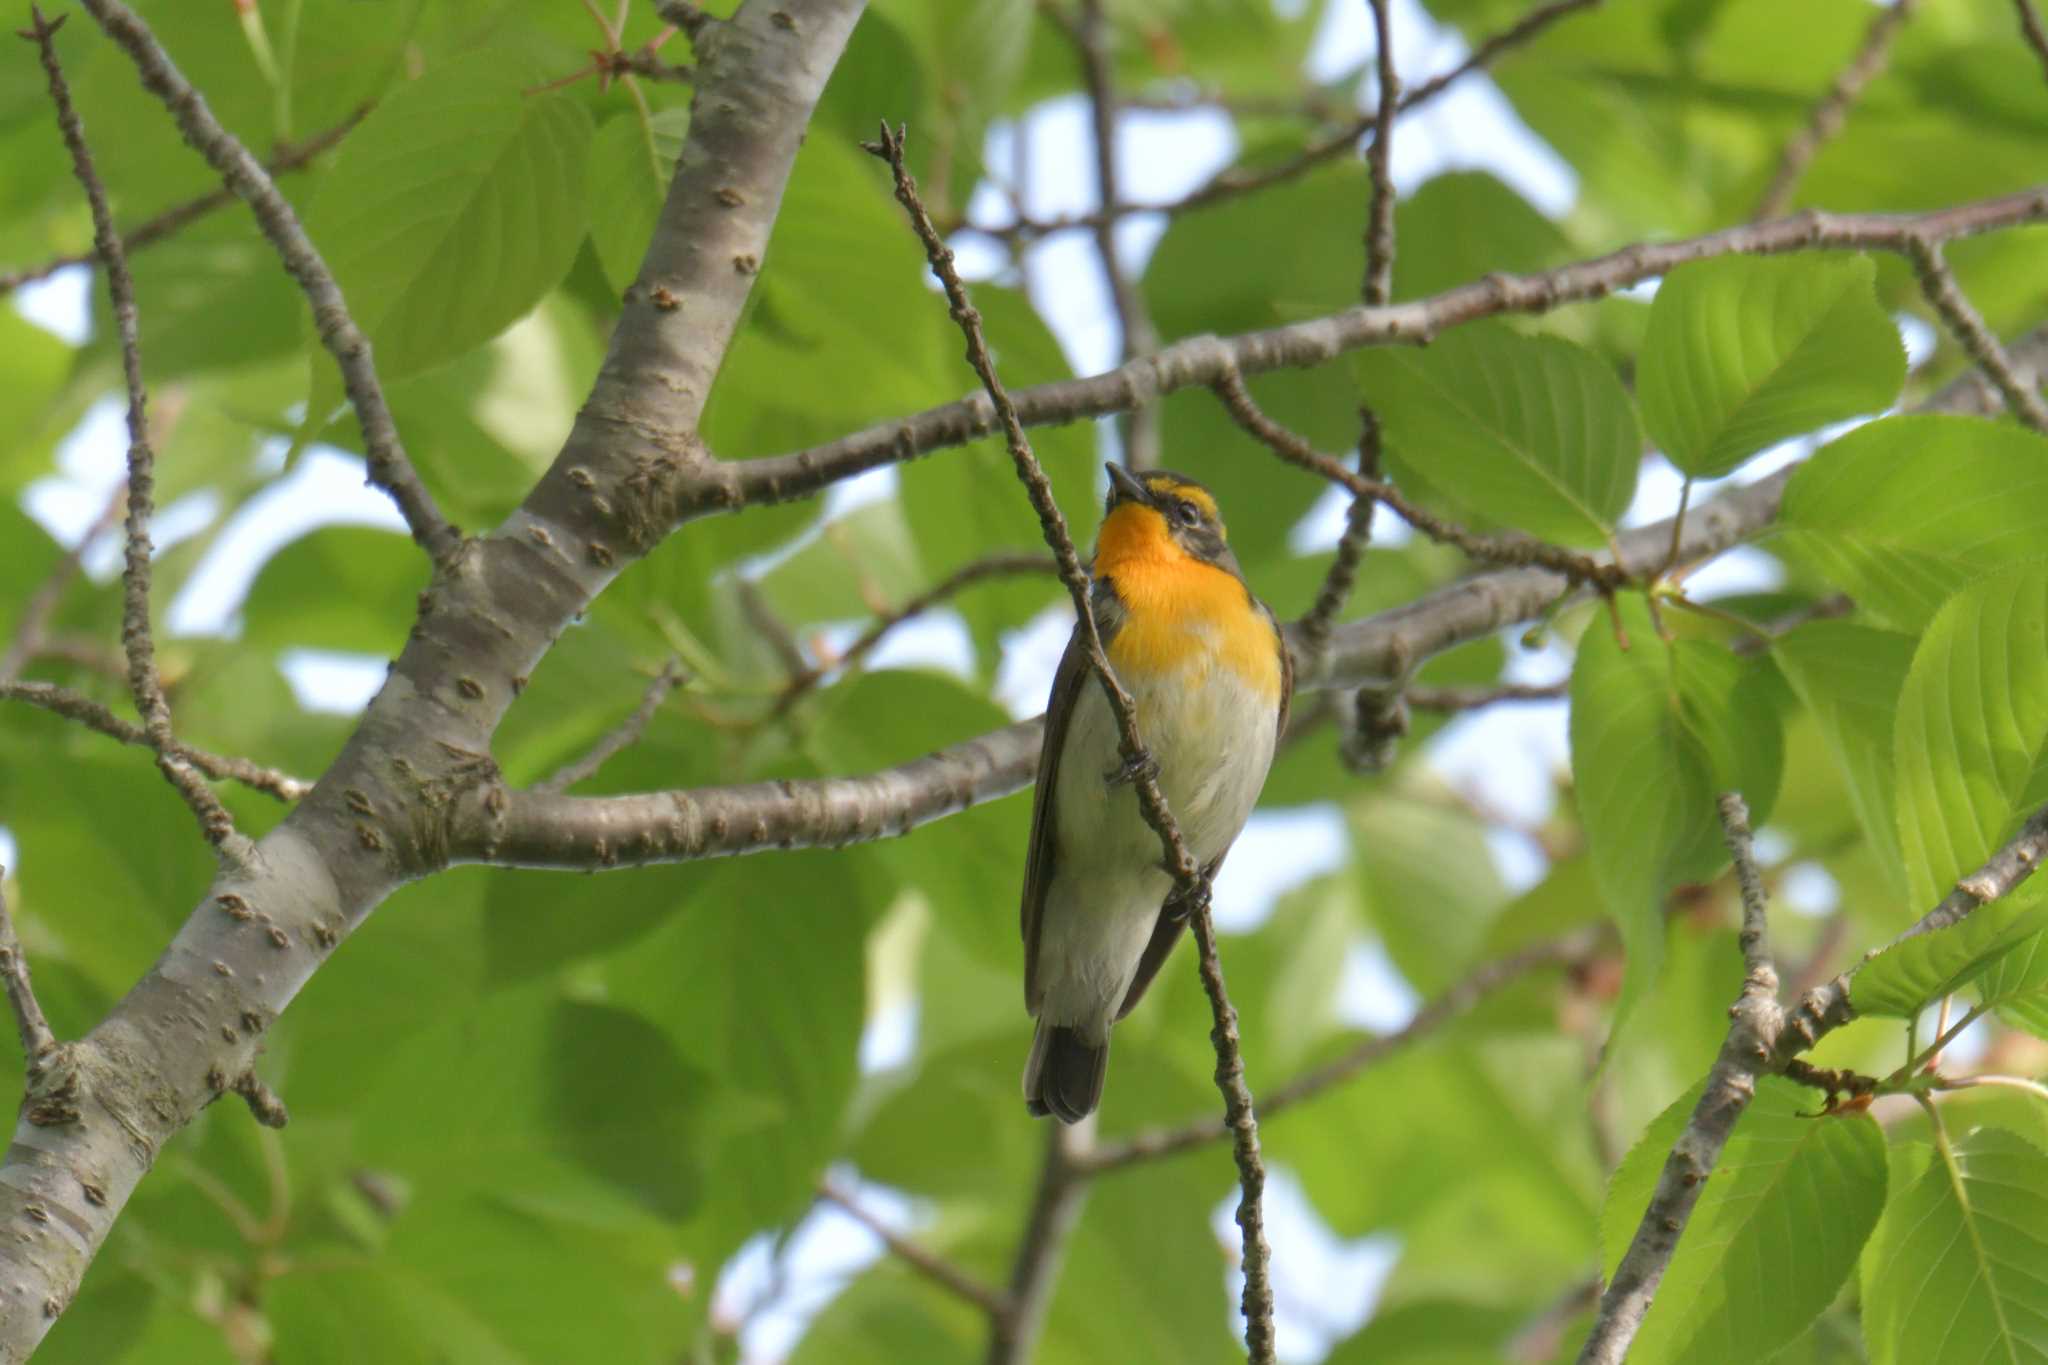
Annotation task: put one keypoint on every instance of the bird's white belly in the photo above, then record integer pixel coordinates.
(1213, 735)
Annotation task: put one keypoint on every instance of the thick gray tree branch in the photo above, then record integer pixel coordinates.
(389, 467)
(1205, 360)
(532, 829)
(541, 830)
(104, 1105)
(1755, 1019)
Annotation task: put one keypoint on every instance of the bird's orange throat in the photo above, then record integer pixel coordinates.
(1131, 533)
(1179, 610)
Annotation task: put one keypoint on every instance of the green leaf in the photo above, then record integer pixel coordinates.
(1142, 1274)
(1657, 732)
(1743, 352)
(482, 1276)
(1429, 885)
(37, 365)
(1433, 1332)
(1284, 979)
(631, 161)
(783, 384)
(341, 587)
(1906, 977)
(1529, 432)
(454, 209)
(1780, 1167)
(1973, 721)
(759, 988)
(517, 1096)
(1954, 1272)
(1850, 677)
(1492, 1140)
(889, 1316)
(1459, 225)
(1902, 512)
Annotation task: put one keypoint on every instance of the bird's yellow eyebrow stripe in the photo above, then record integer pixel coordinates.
(1200, 497)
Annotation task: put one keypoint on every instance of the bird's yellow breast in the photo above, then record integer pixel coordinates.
(1182, 614)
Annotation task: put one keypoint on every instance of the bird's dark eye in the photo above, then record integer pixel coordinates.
(1184, 512)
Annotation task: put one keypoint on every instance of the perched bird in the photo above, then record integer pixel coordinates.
(1203, 660)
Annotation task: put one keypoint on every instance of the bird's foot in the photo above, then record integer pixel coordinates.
(1140, 765)
(1181, 904)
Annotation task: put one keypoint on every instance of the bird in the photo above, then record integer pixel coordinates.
(1209, 673)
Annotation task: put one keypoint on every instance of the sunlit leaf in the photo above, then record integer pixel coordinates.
(1742, 353)
(1780, 1164)
(1531, 432)
(1968, 1235)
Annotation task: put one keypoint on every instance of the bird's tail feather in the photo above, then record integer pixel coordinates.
(1063, 1076)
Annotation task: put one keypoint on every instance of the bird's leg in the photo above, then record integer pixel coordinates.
(1138, 765)
(1180, 904)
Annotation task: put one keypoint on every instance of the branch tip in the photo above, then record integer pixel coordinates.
(37, 1040)
(263, 1102)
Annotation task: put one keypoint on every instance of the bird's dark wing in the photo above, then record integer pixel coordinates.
(1286, 674)
(1067, 682)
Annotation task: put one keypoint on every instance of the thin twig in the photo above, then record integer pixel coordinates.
(1826, 1008)
(1342, 575)
(263, 1102)
(773, 630)
(1481, 983)
(76, 706)
(1242, 180)
(388, 466)
(37, 1041)
(1090, 33)
(288, 157)
(1827, 116)
(1754, 1023)
(1377, 290)
(924, 1261)
(1189, 888)
(1379, 230)
(626, 733)
(1580, 568)
(2022, 392)
(1202, 361)
(992, 566)
(2031, 30)
(136, 639)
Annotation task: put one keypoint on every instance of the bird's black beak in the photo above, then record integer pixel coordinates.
(1125, 487)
